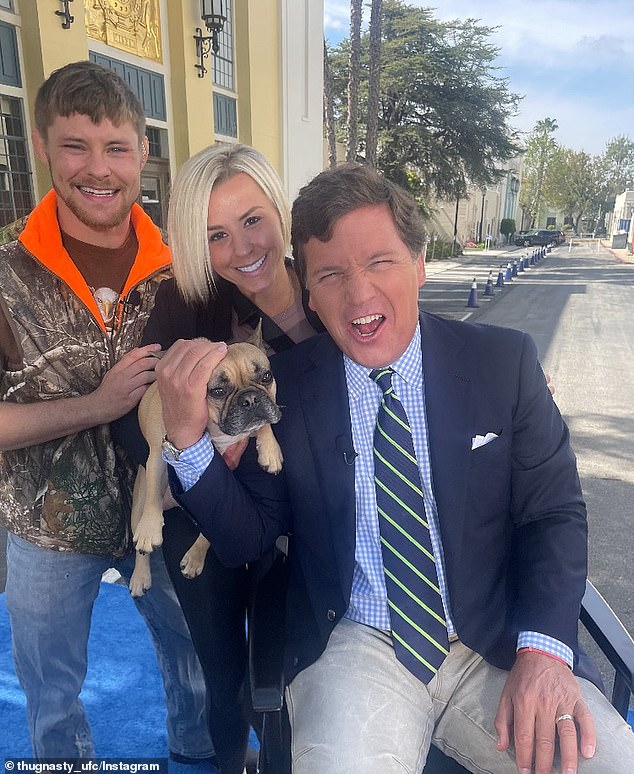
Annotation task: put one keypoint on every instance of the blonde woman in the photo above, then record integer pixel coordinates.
(229, 230)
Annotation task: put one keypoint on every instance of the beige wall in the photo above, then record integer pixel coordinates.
(302, 91)
(45, 47)
(257, 36)
(189, 102)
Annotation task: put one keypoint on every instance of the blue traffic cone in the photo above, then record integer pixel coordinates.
(500, 281)
(473, 295)
(514, 268)
(488, 288)
(508, 277)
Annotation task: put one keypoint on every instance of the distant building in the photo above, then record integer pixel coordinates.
(478, 216)
(621, 217)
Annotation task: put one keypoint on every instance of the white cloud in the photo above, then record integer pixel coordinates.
(336, 18)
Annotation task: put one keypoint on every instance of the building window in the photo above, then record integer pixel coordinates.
(147, 85)
(157, 142)
(9, 64)
(223, 60)
(16, 192)
(8, 4)
(225, 115)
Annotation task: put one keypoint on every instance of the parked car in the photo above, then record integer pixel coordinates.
(540, 238)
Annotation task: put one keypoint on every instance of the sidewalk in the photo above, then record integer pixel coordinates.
(438, 265)
(621, 254)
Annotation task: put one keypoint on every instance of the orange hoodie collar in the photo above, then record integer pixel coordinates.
(42, 238)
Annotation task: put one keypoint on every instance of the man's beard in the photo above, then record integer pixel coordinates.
(119, 216)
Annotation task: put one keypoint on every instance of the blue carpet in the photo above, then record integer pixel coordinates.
(123, 692)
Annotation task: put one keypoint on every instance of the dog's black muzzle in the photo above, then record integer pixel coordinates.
(249, 410)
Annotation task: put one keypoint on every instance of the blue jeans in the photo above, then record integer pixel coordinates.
(50, 596)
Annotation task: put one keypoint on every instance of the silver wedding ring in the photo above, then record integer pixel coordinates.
(565, 716)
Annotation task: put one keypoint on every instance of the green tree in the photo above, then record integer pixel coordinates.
(443, 110)
(540, 150)
(574, 183)
(618, 168)
(619, 162)
(507, 227)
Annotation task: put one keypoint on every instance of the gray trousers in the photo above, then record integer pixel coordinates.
(356, 710)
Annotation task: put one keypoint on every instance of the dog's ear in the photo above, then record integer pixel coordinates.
(256, 336)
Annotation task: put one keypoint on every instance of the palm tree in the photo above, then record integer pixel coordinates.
(329, 110)
(354, 76)
(374, 75)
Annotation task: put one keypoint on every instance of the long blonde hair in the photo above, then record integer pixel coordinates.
(189, 206)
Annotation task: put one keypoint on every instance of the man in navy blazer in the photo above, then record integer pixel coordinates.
(501, 492)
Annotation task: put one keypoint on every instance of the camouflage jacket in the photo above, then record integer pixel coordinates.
(72, 493)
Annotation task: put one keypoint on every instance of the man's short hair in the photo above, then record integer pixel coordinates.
(340, 190)
(91, 90)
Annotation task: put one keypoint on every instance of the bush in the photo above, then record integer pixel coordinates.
(440, 248)
(507, 227)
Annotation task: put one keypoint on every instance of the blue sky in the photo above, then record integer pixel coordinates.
(573, 60)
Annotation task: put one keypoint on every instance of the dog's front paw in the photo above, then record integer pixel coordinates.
(141, 578)
(147, 537)
(270, 457)
(193, 562)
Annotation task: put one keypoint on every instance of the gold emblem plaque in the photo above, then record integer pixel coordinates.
(133, 26)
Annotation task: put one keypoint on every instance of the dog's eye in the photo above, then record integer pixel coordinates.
(266, 378)
(217, 392)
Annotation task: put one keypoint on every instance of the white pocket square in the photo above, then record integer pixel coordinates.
(482, 440)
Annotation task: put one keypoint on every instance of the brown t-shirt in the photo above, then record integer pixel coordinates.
(105, 271)
(103, 267)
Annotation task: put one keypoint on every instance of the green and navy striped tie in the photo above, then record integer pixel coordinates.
(419, 630)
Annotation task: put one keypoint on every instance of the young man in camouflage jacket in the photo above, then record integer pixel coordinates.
(76, 289)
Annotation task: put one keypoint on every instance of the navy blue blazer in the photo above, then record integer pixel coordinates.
(511, 513)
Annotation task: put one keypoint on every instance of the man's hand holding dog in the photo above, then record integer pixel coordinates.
(182, 375)
(125, 383)
(123, 386)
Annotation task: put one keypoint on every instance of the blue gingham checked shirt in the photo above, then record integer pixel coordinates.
(368, 599)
